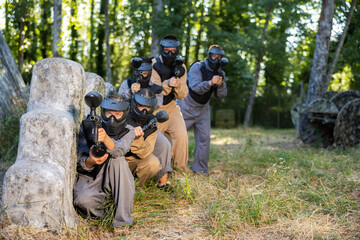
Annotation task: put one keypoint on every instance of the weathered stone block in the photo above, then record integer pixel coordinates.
(47, 136)
(58, 83)
(35, 194)
(38, 188)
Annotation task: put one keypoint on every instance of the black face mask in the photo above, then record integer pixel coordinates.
(169, 58)
(113, 126)
(141, 117)
(214, 64)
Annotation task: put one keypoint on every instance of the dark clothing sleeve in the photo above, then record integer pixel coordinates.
(83, 150)
(122, 146)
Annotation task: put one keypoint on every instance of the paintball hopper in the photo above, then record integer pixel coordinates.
(161, 116)
(223, 62)
(179, 60)
(93, 100)
(136, 62)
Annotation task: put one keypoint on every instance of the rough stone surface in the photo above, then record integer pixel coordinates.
(34, 193)
(57, 83)
(46, 137)
(38, 188)
(94, 83)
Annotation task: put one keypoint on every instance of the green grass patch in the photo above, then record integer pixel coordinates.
(287, 183)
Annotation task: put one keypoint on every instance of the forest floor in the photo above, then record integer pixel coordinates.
(263, 184)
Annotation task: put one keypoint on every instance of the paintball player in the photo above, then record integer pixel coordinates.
(142, 162)
(204, 79)
(102, 169)
(172, 77)
(142, 69)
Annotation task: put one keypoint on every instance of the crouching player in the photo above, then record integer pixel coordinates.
(142, 69)
(142, 162)
(106, 176)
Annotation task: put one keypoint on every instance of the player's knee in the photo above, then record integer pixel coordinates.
(154, 165)
(86, 202)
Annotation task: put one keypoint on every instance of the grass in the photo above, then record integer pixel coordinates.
(264, 184)
(9, 138)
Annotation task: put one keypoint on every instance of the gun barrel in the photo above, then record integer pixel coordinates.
(160, 117)
(152, 123)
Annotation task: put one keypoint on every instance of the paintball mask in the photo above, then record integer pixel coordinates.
(114, 126)
(169, 41)
(144, 97)
(215, 63)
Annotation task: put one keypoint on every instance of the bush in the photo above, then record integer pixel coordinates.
(9, 137)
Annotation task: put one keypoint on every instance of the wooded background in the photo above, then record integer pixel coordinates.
(270, 44)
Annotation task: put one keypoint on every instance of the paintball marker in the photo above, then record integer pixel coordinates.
(179, 61)
(93, 100)
(135, 64)
(223, 62)
(161, 116)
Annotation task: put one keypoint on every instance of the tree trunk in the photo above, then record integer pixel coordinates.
(45, 28)
(13, 91)
(21, 42)
(56, 28)
(201, 29)
(92, 38)
(259, 60)
(7, 21)
(107, 34)
(187, 42)
(146, 42)
(74, 33)
(341, 42)
(278, 109)
(321, 53)
(101, 36)
(158, 7)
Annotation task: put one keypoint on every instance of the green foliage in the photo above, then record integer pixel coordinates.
(350, 55)
(235, 25)
(9, 137)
